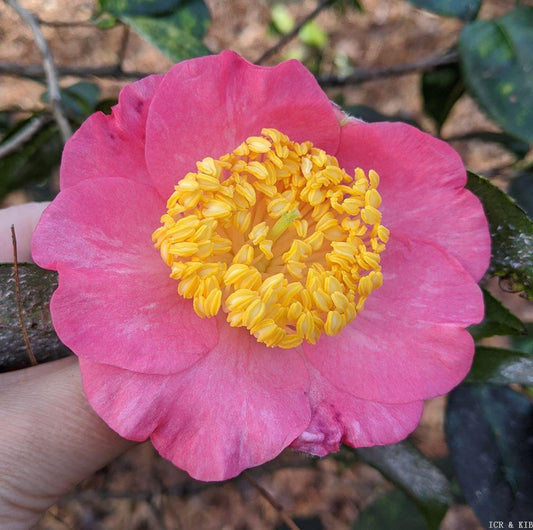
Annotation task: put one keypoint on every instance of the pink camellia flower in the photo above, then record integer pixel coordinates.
(234, 283)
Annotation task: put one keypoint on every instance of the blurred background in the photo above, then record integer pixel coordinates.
(370, 57)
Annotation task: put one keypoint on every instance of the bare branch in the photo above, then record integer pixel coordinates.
(36, 71)
(123, 46)
(272, 501)
(49, 69)
(23, 135)
(66, 23)
(362, 76)
(289, 36)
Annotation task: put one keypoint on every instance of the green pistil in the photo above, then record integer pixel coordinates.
(282, 224)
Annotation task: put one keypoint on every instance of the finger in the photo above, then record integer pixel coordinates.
(51, 440)
(24, 218)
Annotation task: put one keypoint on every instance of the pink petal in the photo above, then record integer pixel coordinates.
(422, 181)
(408, 343)
(339, 417)
(423, 283)
(238, 407)
(208, 106)
(116, 303)
(112, 146)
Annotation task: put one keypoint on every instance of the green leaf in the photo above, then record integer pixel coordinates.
(524, 343)
(178, 35)
(387, 511)
(521, 190)
(138, 7)
(34, 161)
(106, 21)
(501, 367)
(282, 19)
(313, 35)
(78, 100)
(463, 9)
(441, 88)
(408, 469)
(498, 67)
(489, 430)
(511, 234)
(498, 320)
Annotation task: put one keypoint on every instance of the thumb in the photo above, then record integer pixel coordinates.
(51, 440)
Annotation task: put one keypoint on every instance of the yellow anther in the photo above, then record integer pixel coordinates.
(278, 236)
(372, 198)
(335, 322)
(373, 177)
(244, 255)
(383, 233)
(259, 233)
(185, 249)
(258, 144)
(235, 273)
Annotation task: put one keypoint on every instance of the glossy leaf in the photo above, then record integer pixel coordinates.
(138, 7)
(78, 100)
(179, 34)
(489, 430)
(32, 162)
(498, 67)
(463, 9)
(441, 88)
(498, 320)
(524, 343)
(415, 475)
(521, 190)
(282, 19)
(511, 233)
(313, 35)
(501, 367)
(387, 511)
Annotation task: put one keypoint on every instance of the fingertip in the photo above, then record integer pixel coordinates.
(24, 218)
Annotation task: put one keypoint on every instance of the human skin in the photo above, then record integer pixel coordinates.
(50, 437)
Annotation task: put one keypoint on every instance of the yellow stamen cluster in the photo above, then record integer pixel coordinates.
(276, 235)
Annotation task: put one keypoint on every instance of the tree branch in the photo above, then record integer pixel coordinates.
(49, 69)
(36, 71)
(36, 288)
(289, 36)
(362, 76)
(23, 135)
(272, 501)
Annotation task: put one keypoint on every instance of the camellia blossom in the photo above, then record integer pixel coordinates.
(244, 268)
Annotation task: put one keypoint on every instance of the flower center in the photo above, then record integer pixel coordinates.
(276, 235)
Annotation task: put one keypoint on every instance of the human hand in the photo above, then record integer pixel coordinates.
(50, 437)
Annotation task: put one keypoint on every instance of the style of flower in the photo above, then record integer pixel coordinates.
(244, 268)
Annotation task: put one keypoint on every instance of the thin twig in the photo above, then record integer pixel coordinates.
(36, 71)
(31, 355)
(49, 69)
(272, 501)
(362, 76)
(289, 36)
(66, 23)
(123, 46)
(23, 135)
